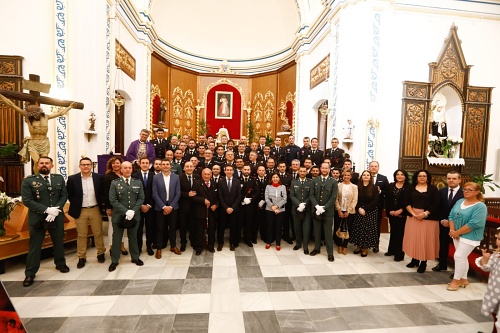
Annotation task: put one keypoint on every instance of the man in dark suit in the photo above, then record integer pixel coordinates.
(316, 153)
(260, 214)
(186, 215)
(300, 192)
(166, 193)
(323, 196)
(84, 195)
(205, 204)
(126, 195)
(286, 180)
(291, 150)
(147, 208)
(448, 196)
(382, 183)
(277, 151)
(45, 195)
(160, 144)
(249, 195)
(335, 154)
(305, 151)
(229, 189)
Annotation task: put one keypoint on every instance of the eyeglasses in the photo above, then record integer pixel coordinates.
(469, 190)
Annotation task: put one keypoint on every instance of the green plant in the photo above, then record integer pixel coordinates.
(484, 179)
(203, 127)
(251, 132)
(8, 150)
(178, 135)
(269, 140)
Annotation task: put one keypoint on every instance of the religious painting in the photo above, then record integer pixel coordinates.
(223, 105)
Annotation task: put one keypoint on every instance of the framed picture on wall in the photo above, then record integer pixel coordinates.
(223, 105)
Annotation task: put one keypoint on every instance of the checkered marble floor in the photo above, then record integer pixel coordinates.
(248, 290)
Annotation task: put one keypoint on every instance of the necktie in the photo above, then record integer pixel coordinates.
(145, 178)
(314, 151)
(278, 151)
(208, 184)
(450, 197)
(294, 175)
(46, 178)
(126, 181)
(229, 184)
(301, 182)
(190, 182)
(322, 180)
(246, 179)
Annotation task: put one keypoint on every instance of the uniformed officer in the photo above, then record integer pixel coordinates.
(45, 195)
(126, 195)
(300, 191)
(323, 198)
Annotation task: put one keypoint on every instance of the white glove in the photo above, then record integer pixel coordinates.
(247, 201)
(319, 209)
(302, 206)
(129, 215)
(53, 211)
(50, 218)
(322, 209)
(300, 209)
(261, 203)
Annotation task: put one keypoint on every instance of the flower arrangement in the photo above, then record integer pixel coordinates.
(432, 138)
(449, 144)
(7, 205)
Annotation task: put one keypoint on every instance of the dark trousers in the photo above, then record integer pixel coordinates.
(302, 228)
(444, 244)
(246, 217)
(287, 224)
(336, 224)
(117, 241)
(397, 233)
(37, 236)
(274, 226)
(221, 225)
(260, 224)
(200, 228)
(165, 223)
(186, 224)
(234, 224)
(326, 225)
(147, 219)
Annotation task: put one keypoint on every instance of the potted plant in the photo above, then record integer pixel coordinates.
(484, 179)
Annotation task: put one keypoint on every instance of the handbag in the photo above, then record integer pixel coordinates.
(124, 223)
(342, 231)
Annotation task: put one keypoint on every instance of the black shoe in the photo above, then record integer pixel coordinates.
(231, 247)
(306, 251)
(28, 281)
(112, 267)
(254, 241)
(198, 252)
(63, 268)
(219, 247)
(438, 268)
(296, 247)
(211, 250)
(124, 252)
(150, 251)
(101, 258)
(138, 262)
(413, 263)
(81, 263)
(183, 248)
(357, 251)
(249, 244)
(375, 249)
(314, 252)
(399, 259)
(236, 245)
(288, 240)
(387, 254)
(330, 258)
(422, 267)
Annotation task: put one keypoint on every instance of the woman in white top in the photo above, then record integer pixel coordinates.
(275, 197)
(345, 205)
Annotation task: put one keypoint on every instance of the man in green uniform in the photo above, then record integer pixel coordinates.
(300, 191)
(126, 195)
(45, 195)
(323, 198)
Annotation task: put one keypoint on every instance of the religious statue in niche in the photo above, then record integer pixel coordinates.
(348, 130)
(163, 109)
(285, 126)
(92, 122)
(37, 144)
(223, 105)
(438, 118)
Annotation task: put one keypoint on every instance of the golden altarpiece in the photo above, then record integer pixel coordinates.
(449, 76)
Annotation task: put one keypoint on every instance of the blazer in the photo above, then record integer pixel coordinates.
(124, 197)
(300, 193)
(336, 156)
(351, 198)
(75, 192)
(444, 207)
(229, 199)
(37, 196)
(148, 189)
(185, 200)
(250, 189)
(317, 157)
(324, 195)
(160, 191)
(275, 196)
(383, 183)
(203, 192)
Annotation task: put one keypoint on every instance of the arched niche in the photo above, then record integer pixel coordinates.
(158, 109)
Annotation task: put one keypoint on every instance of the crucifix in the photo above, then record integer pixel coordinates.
(37, 144)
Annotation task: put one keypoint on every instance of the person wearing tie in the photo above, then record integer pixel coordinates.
(229, 192)
(277, 151)
(205, 204)
(382, 183)
(249, 195)
(316, 153)
(147, 212)
(335, 154)
(300, 192)
(260, 214)
(186, 216)
(448, 196)
(44, 195)
(160, 144)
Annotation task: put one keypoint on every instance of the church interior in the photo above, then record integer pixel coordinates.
(376, 75)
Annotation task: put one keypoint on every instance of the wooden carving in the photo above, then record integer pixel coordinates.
(183, 112)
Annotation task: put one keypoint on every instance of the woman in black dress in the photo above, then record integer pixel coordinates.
(396, 211)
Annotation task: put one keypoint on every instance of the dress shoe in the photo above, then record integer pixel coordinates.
(306, 251)
(387, 254)
(81, 262)
(357, 251)
(62, 268)
(210, 249)
(331, 258)
(236, 245)
(454, 285)
(364, 253)
(438, 268)
(28, 281)
(124, 252)
(150, 251)
(296, 247)
(231, 247)
(340, 250)
(314, 252)
(158, 254)
(219, 247)
(375, 249)
(198, 252)
(344, 250)
(112, 267)
(101, 258)
(268, 246)
(183, 248)
(254, 241)
(278, 248)
(413, 263)
(399, 259)
(138, 262)
(249, 244)
(175, 250)
(422, 267)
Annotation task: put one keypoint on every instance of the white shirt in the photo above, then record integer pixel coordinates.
(89, 198)
(166, 179)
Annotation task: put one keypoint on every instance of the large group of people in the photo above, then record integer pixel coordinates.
(288, 194)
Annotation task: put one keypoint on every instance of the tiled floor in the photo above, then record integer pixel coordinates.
(249, 290)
